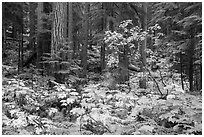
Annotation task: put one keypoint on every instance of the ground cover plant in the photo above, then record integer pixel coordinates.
(95, 109)
(94, 68)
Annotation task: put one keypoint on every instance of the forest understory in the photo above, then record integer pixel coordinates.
(31, 106)
(97, 68)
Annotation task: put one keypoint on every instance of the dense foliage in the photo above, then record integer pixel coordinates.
(102, 68)
(95, 109)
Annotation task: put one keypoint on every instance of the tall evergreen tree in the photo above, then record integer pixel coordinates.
(58, 27)
(85, 44)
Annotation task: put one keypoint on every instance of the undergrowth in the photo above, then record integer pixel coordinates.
(95, 109)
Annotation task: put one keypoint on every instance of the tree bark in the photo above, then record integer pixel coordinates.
(191, 68)
(142, 49)
(70, 26)
(20, 67)
(58, 37)
(58, 28)
(39, 28)
(103, 65)
(4, 41)
(123, 64)
(32, 24)
(84, 48)
(181, 67)
(111, 23)
(22, 27)
(19, 56)
(200, 87)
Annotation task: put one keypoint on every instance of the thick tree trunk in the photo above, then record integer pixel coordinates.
(58, 28)
(58, 37)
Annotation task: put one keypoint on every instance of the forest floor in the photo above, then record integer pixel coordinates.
(31, 107)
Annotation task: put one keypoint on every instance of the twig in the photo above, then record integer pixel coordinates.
(161, 77)
(80, 127)
(101, 124)
(154, 81)
(152, 78)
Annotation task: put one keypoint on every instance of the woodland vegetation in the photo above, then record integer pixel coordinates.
(95, 68)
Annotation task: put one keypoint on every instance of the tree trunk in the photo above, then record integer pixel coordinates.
(58, 37)
(39, 28)
(142, 49)
(4, 41)
(191, 73)
(32, 23)
(200, 87)
(84, 48)
(111, 23)
(70, 26)
(19, 56)
(123, 64)
(22, 27)
(191, 68)
(196, 79)
(20, 37)
(181, 67)
(58, 28)
(149, 17)
(103, 65)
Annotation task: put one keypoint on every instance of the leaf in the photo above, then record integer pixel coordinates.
(165, 116)
(62, 95)
(178, 88)
(21, 92)
(63, 72)
(70, 100)
(101, 93)
(38, 130)
(172, 119)
(136, 110)
(78, 111)
(146, 128)
(143, 100)
(171, 97)
(87, 105)
(64, 104)
(68, 89)
(74, 93)
(24, 132)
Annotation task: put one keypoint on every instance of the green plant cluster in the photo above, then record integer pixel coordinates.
(95, 109)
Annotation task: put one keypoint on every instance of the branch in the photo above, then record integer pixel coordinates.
(101, 124)
(161, 77)
(154, 80)
(152, 77)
